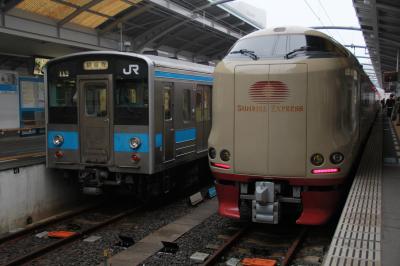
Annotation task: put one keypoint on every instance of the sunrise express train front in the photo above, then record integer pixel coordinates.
(291, 107)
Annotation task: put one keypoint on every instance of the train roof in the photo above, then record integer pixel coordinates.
(287, 30)
(157, 61)
(173, 63)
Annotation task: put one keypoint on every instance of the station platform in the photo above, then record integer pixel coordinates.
(16, 151)
(368, 232)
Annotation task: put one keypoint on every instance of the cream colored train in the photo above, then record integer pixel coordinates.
(291, 108)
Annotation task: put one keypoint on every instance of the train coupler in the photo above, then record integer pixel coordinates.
(92, 181)
(265, 205)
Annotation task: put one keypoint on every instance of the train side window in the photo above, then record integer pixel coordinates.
(207, 109)
(167, 104)
(186, 105)
(199, 100)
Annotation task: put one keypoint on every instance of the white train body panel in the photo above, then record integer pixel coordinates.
(274, 114)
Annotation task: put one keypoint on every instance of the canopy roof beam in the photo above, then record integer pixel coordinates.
(78, 12)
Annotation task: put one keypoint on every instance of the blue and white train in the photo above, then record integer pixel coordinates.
(127, 120)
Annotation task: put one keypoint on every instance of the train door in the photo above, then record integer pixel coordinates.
(169, 130)
(94, 120)
(203, 116)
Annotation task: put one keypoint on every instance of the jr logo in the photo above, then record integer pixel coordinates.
(131, 68)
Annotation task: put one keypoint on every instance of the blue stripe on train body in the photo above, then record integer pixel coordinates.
(158, 140)
(71, 140)
(122, 140)
(182, 135)
(170, 75)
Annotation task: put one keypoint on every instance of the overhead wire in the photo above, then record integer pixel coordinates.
(329, 18)
(315, 14)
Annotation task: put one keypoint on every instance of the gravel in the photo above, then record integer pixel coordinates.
(135, 226)
(201, 238)
(262, 241)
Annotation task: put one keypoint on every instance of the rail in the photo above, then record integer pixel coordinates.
(62, 242)
(291, 251)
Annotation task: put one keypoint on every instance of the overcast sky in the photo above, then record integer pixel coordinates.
(316, 13)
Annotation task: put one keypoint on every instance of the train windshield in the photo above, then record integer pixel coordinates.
(131, 102)
(63, 101)
(278, 46)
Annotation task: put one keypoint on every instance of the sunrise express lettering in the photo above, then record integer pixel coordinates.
(274, 108)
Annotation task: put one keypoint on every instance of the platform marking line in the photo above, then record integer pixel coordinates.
(6, 161)
(23, 156)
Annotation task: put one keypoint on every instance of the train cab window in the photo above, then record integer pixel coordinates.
(167, 103)
(280, 46)
(314, 46)
(96, 99)
(187, 105)
(260, 46)
(131, 102)
(63, 101)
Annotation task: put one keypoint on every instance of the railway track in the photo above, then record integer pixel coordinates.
(247, 230)
(31, 228)
(11, 242)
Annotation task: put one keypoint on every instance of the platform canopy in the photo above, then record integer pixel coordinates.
(379, 21)
(191, 28)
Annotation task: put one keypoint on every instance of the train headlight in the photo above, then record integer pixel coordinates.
(212, 153)
(225, 155)
(58, 140)
(317, 159)
(134, 143)
(336, 158)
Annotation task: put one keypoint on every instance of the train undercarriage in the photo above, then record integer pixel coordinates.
(96, 180)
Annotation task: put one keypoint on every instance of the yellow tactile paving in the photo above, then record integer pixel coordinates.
(357, 239)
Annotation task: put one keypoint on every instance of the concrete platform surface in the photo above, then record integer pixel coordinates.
(152, 243)
(391, 196)
(21, 151)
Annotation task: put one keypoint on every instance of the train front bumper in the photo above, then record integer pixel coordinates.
(317, 207)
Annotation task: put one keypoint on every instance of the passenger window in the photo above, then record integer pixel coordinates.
(167, 104)
(207, 109)
(96, 99)
(186, 105)
(199, 115)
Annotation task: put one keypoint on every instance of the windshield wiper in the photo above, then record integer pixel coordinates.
(249, 53)
(303, 48)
